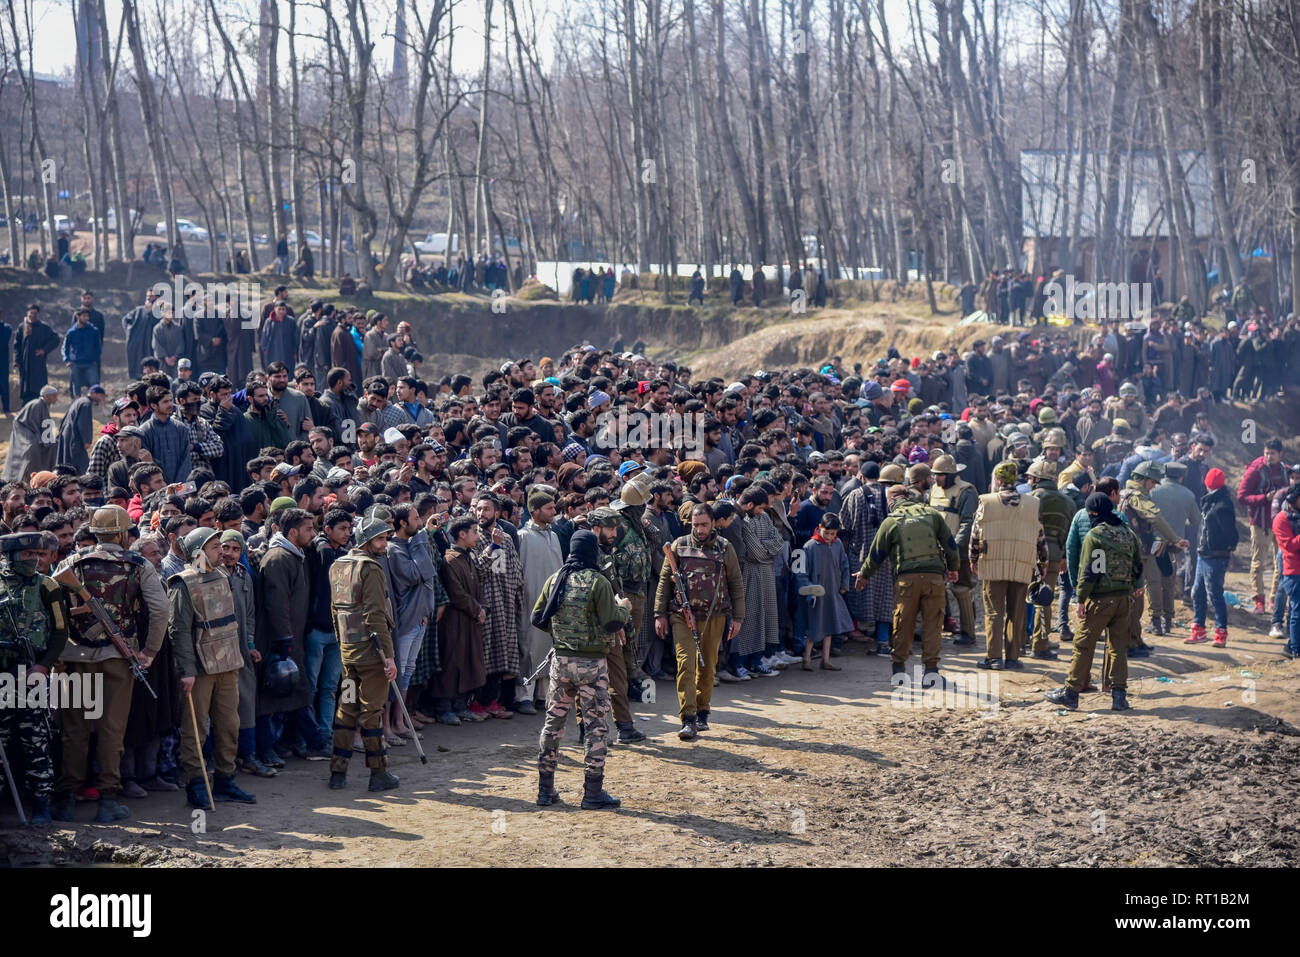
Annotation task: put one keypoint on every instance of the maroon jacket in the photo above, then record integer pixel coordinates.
(1257, 488)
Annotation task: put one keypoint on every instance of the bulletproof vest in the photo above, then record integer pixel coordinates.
(345, 596)
(574, 626)
(24, 615)
(1055, 513)
(632, 557)
(705, 576)
(113, 578)
(915, 533)
(216, 641)
(944, 501)
(1117, 541)
(1146, 533)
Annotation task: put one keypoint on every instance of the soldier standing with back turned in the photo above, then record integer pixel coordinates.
(586, 623)
(1110, 571)
(359, 602)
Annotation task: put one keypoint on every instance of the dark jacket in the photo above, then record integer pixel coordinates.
(282, 585)
(1218, 535)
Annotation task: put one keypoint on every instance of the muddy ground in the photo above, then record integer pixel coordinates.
(806, 769)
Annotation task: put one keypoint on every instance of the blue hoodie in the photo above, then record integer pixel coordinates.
(82, 344)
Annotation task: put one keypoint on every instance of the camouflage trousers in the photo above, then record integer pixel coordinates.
(585, 680)
(29, 728)
(363, 692)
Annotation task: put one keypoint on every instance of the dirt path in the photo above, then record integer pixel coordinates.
(806, 769)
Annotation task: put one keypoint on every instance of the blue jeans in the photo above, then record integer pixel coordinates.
(1067, 592)
(1292, 585)
(1279, 595)
(82, 376)
(1209, 577)
(406, 646)
(324, 669)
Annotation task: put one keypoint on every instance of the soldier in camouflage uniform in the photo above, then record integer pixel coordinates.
(622, 565)
(1145, 519)
(1110, 569)
(578, 608)
(33, 610)
(359, 602)
(133, 595)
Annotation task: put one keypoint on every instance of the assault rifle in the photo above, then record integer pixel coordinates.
(69, 579)
(685, 600)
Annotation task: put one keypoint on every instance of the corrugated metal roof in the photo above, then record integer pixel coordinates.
(1044, 188)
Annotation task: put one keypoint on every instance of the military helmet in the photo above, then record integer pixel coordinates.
(892, 474)
(1054, 439)
(280, 675)
(1040, 593)
(603, 517)
(1006, 472)
(1149, 470)
(916, 473)
(1018, 440)
(193, 542)
(110, 520)
(1128, 388)
(371, 528)
(636, 490)
(946, 465)
(1042, 469)
(19, 542)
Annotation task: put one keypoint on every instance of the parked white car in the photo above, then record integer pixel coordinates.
(435, 244)
(62, 224)
(313, 239)
(111, 218)
(187, 228)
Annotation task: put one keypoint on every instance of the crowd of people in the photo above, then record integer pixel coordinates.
(324, 551)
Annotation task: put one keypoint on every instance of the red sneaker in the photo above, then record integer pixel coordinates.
(1220, 637)
(479, 712)
(1259, 605)
(1198, 636)
(497, 711)
(88, 794)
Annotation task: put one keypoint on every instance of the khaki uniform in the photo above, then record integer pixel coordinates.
(359, 602)
(957, 505)
(204, 633)
(715, 591)
(1055, 513)
(917, 540)
(1110, 568)
(131, 592)
(1145, 520)
(1005, 544)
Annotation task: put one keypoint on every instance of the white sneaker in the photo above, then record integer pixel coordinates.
(743, 674)
(788, 658)
(1276, 632)
(774, 662)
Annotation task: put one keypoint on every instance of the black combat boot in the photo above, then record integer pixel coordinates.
(196, 793)
(1119, 700)
(627, 733)
(594, 796)
(225, 789)
(338, 780)
(701, 721)
(546, 793)
(40, 813)
(1065, 697)
(931, 678)
(1157, 627)
(382, 779)
(64, 808)
(110, 811)
(689, 729)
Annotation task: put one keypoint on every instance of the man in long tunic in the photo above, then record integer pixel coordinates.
(33, 447)
(541, 557)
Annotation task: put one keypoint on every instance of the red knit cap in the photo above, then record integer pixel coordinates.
(901, 385)
(1215, 479)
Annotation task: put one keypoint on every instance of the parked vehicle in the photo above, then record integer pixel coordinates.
(188, 229)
